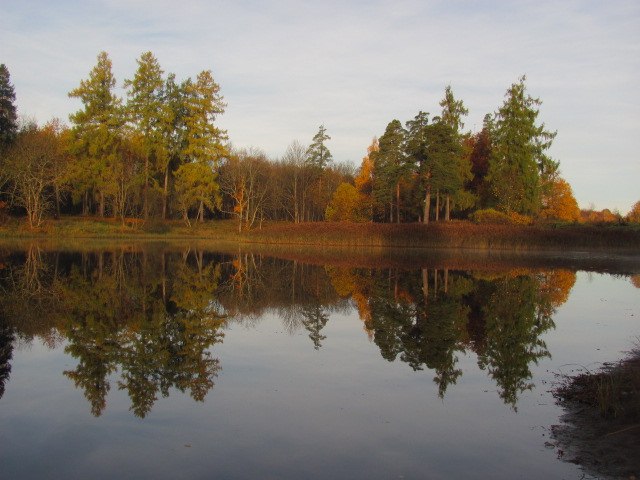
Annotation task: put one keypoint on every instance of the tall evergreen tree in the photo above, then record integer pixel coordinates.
(173, 133)
(457, 167)
(452, 110)
(204, 141)
(390, 166)
(97, 131)
(519, 166)
(318, 154)
(445, 154)
(8, 114)
(417, 144)
(144, 112)
(318, 159)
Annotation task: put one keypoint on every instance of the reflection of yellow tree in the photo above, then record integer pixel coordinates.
(635, 281)
(114, 316)
(356, 284)
(556, 286)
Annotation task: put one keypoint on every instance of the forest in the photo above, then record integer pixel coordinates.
(159, 154)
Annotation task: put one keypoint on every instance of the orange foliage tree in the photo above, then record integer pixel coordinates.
(634, 213)
(559, 203)
(364, 182)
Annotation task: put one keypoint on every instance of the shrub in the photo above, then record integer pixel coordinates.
(492, 216)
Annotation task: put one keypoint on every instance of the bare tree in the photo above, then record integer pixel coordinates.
(32, 168)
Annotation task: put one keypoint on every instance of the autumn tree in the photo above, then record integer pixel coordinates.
(634, 213)
(298, 179)
(363, 181)
(204, 144)
(32, 167)
(97, 131)
(558, 203)
(196, 187)
(519, 164)
(478, 147)
(244, 179)
(126, 176)
(344, 205)
(8, 113)
(172, 133)
(144, 111)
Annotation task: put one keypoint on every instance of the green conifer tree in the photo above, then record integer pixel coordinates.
(318, 155)
(8, 114)
(391, 164)
(519, 167)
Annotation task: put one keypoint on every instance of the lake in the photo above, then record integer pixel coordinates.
(138, 360)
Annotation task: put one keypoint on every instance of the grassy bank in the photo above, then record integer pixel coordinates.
(601, 425)
(435, 235)
(451, 235)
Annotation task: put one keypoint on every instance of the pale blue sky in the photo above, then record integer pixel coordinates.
(285, 67)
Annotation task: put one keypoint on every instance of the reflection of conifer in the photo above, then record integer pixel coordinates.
(6, 354)
(516, 316)
(314, 320)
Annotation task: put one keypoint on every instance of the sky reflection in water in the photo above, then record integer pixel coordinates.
(194, 364)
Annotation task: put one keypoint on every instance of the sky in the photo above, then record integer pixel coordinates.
(287, 67)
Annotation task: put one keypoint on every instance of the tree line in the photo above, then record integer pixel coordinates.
(159, 153)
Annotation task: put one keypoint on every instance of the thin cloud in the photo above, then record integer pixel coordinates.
(286, 67)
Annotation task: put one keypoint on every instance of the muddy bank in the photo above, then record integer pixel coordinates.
(600, 429)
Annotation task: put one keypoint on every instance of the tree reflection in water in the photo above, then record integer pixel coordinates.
(148, 319)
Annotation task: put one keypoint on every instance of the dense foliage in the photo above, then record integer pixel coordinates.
(159, 154)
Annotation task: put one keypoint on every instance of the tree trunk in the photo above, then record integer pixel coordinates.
(57, 201)
(435, 283)
(85, 203)
(201, 212)
(101, 206)
(446, 280)
(145, 200)
(296, 219)
(447, 208)
(437, 205)
(425, 284)
(427, 205)
(398, 202)
(165, 193)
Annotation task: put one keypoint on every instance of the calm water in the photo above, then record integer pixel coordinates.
(157, 362)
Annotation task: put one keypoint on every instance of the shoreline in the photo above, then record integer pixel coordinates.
(456, 234)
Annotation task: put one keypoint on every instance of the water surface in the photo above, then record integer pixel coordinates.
(156, 361)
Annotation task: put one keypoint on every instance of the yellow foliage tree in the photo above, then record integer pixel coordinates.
(344, 205)
(560, 204)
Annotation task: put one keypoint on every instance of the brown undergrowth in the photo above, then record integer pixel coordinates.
(455, 234)
(601, 424)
